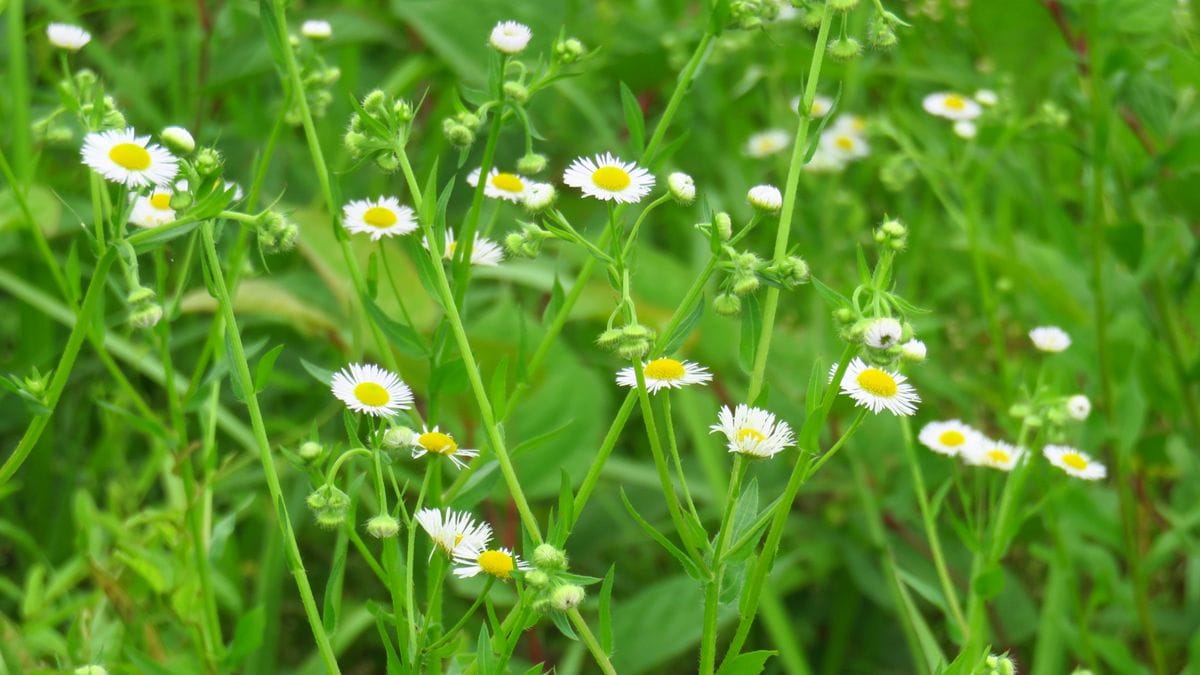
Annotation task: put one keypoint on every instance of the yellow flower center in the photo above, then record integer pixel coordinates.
(161, 200)
(371, 393)
(877, 382)
(998, 456)
(665, 369)
(955, 102)
(437, 442)
(130, 156)
(611, 178)
(451, 247)
(378, 216)
(497, 563)
(952, 438)
(844, 143)
(458, 538)
(749, 434)
(764, 145)
(1075, 461)
(509, 182)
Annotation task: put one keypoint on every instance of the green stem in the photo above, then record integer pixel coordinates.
(246, 382)
(449, 634)
(590, 641)
(712, 589)
(673, 450)
(18, 91)
(681, 89)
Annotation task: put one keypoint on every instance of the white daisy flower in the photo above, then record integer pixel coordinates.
(1074, 462)
(914, 350)
(753, 431)
(851, 124)
(67, 36)
(381, 217)
(485, 252)
(876, 389)
(501, 185)
(765, 197)
(1050, 338)
(844, 144)
(824, 161)
(992, 453)
(371, 390)
(951, 106)
(883, 333)
(497, 562)
(950, 437)
(987, 97)
(767, 143)
(1079, 407)
(607, 178)
(454, 532)
(316, 29)
(965, 129)
(510, 37)
(665, 373)
(682, 187)
(440, 443)
(152, 210)
(122, 156)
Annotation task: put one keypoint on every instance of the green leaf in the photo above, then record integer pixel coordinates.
(681, 332)
(247, 637)
(634, 121)
(557, 297)
(989, 582)
(604, 610)
(498, 391)
(751, 331)
(750, 663)
(318, 373)
(563, 625)
(266, 365)
(689, 565)
(401, 336)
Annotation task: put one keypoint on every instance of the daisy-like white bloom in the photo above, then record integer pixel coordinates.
(67, 36)
(371, 390)
(1074, 462)
(767, 143)
(965, 129)
(987, 97)
(122, 156)
(665, 373)
(381, 217)
(820, 107)
(950, 437)
(510, 37)
(485, 252)
(992, 453)
(877, 389)
(682, 187)
(501, 185)
(316, 29)
(1050, 338)
(607, 178)
(433, 441)
(765, 197)
(753, 431)
(1079, 407)
(497, 562)
(851, 123)
(453, 531)
(152, 210)
(951, 106)
(845, 144)
(824, 161)
(882, 333)
(914, 350)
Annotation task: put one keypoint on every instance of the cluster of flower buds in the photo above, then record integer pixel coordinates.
(329, 505)
(554, 588)
(276, 233)
(567, 51)
(999, 664)
(892, 235)
(380, 130)
(629, 342)
(880, 32)
(527, 243)
(460, 129)
(144, 310)
(752, 14)
(885, 340)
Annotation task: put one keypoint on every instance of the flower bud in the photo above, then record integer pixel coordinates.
(516, 91)
(913, 351)
(610, 338)
(766, 198)
(841, 5)
(567, 597)
(636, 331)
(457, 134)
(208, 161)
(812, 16)
(315, 29)
(146, 316)
(549, 557)
(387, 162)
(567, 51)
(843, 315)
(537, 579)
(375, 103)
(844, 49)
(633, 350)
(113, 119)
(140, 295)
(178, 139)
(383, 526)
(539, 197)
(682, 188)
(531, 163)
(92, 669)
(727, 304)
(398, 437)
(403, 110)
(745, 284)
(999, 665)
(724, 225)
(329, 505)
(310, 450)
(1079, 407)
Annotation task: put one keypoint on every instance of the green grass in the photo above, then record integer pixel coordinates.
(156, 483)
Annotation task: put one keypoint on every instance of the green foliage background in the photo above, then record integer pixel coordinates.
(91, 530)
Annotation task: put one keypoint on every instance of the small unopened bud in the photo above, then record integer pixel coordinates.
(537, 579)
(387, 162)
(354, 142)
(682, 188)
(531, 163)
(567, 597)
(398, 437)
(549, 557)
(139, 295)
(113, 119)
(844, 49)
(633, 350)
(999, 665)
(314, 29)
(383, 526)
(146, 316)
(457, 134)
(208, 161)
(745, 284)
(636, 331)
(610, 338)
(178, 139)
(913, 351)
(894, 228)
(329, 505)
(516, 91)
(403, 110)
(375, 103)
(843, 315)
(724, 225)
(812, 16)
(841, 5)
(727, 304)
(765, 198)
(1079, 407)
(469, 120)
(539, 197)
(568, 51)
(92, 669)
(310, 450)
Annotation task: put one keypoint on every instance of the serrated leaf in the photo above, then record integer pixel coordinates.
(750, 663)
